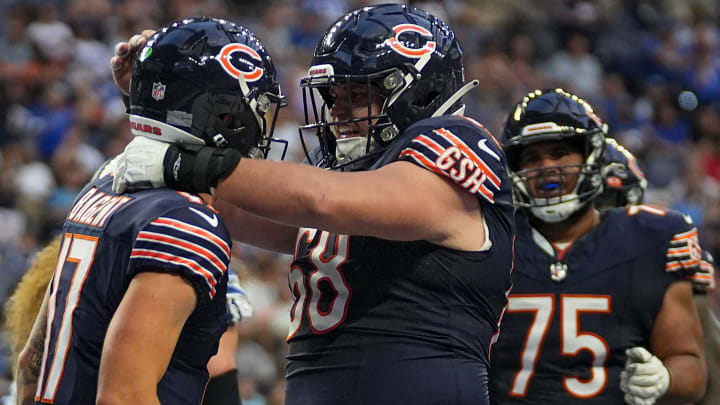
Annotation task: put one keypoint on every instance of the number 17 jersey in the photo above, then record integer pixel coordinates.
(108, 239)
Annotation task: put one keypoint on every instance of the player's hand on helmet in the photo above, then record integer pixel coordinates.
(140, 166)
(238, 303)
(645, 377)
(147, 163)
(121, 62)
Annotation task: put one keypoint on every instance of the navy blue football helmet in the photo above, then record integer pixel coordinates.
(624, 182)
(555, 115)
(205, 81)
(408, 57)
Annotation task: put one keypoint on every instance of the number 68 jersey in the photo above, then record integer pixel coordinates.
(381, 321)
(573, 312)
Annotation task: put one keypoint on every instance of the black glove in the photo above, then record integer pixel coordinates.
(197, 169)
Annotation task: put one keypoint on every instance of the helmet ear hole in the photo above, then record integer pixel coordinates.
(426, 100)
(239, 130)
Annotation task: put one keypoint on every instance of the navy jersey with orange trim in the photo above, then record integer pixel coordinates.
(108, 239)
(573, 312)
(378, 321)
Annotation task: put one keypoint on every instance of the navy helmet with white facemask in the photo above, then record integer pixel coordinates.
(406, 60)
(555, 115)
(205, 81)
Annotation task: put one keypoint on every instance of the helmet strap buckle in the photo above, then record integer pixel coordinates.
(220, 140)
(389, 133)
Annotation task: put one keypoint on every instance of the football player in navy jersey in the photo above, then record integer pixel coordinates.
(137, 304)
(624, 185)
(403, 250)
(601, 309)
(23, 306)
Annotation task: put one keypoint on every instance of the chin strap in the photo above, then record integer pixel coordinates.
(455, 97)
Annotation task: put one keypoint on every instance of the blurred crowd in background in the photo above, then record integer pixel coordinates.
(651, 69)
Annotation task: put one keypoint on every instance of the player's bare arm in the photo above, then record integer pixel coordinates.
(135, 356)
(677, 340)
(711, 341)
(248, 228)
(28, 296)
(30, 359)
(399, 201)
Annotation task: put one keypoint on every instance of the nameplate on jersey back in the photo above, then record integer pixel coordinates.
(94, 207)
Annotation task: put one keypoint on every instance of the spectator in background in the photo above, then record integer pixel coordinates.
(575, 67)
(51, 36)
(522, 64)
(665, 56)
(707, 124)
(90, 53)
(669, 125)
(702, 76)
(15, 47)
(54, 114)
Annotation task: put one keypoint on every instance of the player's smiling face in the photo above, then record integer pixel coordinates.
(351, 102)
(551, 168)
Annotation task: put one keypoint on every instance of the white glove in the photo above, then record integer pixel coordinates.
(140, 166)
(238, 303)
(645, 378)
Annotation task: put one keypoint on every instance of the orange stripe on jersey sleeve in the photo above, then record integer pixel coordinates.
(429, 143)
(194, 266)
(197, 249)
(194, 229)
(685, 235)
(470, 154)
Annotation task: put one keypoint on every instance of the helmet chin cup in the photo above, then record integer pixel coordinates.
(351, 150)
(547, 211)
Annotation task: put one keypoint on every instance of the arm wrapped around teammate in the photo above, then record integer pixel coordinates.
(150, 164)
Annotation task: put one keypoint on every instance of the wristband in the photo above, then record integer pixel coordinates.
(198, 169)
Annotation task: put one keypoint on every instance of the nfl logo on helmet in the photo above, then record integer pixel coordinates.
(158, 91)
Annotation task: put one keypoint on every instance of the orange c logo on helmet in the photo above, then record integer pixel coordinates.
(224, 58)
(398, 47)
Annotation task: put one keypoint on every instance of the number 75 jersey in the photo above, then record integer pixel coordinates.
(572, 313)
